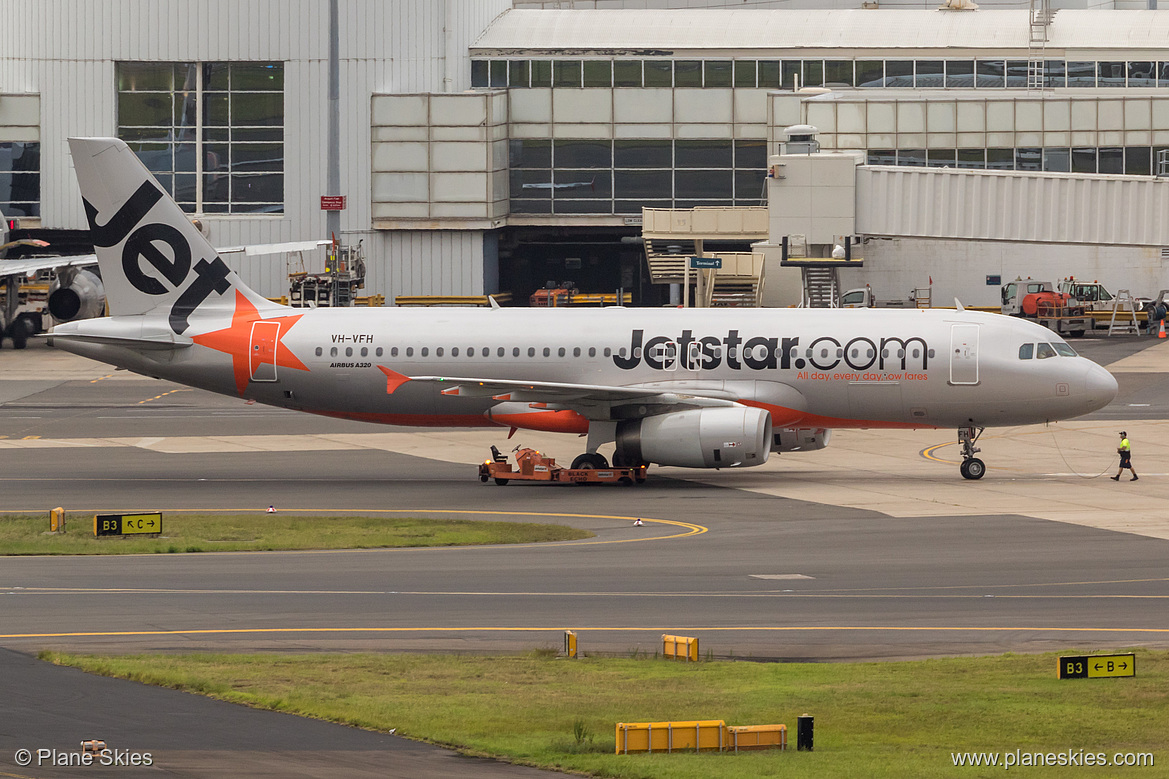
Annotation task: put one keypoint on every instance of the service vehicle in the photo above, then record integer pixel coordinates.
(533, 466)
(1039, 301)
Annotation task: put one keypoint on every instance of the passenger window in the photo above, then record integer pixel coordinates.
(320, 351)
(454, 351)
(531, 351)
(379, 351)
(437, 352)
(576, 351)
(515, 351)
(1026, 351)
(592, 351)
(487, 351)
(348, 351)
(364, 352)
(333, 352)
(1064, 350)
(547, 352)
(498, 352)
(425, 351)
(1045, 351)
(560, 352)
(409, 351)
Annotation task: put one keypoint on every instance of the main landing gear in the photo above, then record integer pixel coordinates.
(972, 467)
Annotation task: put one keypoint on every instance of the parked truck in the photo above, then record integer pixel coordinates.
(1039, 300)
(863, 297)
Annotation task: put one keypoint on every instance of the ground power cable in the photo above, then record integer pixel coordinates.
(1069, 465)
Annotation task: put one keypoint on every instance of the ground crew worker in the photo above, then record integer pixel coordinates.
(1125, 452)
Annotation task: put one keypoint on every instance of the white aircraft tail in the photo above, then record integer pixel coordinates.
(151, 257)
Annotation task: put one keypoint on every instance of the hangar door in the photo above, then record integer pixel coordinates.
(964, 354)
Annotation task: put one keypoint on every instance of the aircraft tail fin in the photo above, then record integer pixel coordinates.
(151, 256)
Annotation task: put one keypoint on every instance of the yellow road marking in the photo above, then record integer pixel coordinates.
(561, 626)
(18, 590)
(100, 378)
(928, 453)
(163, 395)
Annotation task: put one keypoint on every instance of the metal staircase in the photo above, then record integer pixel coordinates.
(821, 287)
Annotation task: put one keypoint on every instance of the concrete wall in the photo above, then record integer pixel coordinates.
(895, 266)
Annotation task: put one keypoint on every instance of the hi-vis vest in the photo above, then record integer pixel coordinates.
(1124, 445)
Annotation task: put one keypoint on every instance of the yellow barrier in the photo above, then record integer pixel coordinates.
(696, 736)
(743, 737)
(502, 298)
(570, 644)
(57, 520)
(680, 647)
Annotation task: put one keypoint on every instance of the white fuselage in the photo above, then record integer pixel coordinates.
(808, 367)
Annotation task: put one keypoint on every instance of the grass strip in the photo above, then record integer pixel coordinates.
(877, 720)
(27, 535)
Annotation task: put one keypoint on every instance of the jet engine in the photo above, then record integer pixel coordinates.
(802, 439)
(81, 297)
(697, 438)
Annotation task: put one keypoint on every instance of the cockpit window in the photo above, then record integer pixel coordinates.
(1045, 351)
(1026, 351)
(1064, 350)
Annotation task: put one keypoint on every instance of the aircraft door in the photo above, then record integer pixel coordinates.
(262, 350)
(964, 354)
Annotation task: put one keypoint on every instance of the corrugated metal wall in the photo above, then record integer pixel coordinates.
(1013, 206)
(66, 51)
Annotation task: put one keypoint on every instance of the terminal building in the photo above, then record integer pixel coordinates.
(489, 148)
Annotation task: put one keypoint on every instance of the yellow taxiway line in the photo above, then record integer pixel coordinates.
(598, 628)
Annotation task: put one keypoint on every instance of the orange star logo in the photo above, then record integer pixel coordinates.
(253, 343)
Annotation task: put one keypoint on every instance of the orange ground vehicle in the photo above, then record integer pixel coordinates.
(533, 466)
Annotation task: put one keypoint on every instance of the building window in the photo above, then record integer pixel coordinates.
(20, 179)
(212, 133)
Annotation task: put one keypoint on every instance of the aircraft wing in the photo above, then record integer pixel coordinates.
(25, 267)
(588, 399)
(274, 248)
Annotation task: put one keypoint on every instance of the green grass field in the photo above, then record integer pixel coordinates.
(27, 535)
(872, 719)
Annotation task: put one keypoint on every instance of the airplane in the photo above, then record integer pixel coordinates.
(591, 184)
(701, 388)
(77, 291)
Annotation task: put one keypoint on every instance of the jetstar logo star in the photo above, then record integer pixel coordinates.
(236, 340)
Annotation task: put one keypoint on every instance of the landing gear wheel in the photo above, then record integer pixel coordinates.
(590, 461)
(973, 468)
(20, 332)
(501, 482)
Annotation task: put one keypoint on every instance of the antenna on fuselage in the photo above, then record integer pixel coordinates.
(492, 303)
(958, 305)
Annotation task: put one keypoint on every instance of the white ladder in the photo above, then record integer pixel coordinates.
(1124, 298)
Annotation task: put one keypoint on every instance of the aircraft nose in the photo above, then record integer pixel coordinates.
(1100, 385)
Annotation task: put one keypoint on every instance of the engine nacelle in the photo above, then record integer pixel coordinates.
(698, 438)
(83, 297)
(801, 439)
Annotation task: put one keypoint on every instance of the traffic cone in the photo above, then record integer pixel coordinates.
(1161, 332)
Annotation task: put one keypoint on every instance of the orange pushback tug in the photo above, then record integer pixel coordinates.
(533, 466)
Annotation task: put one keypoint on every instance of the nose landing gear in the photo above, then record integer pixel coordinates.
(972, 467)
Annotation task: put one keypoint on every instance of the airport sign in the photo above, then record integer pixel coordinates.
(127, 524)
(1097, 666)
(706, 262)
